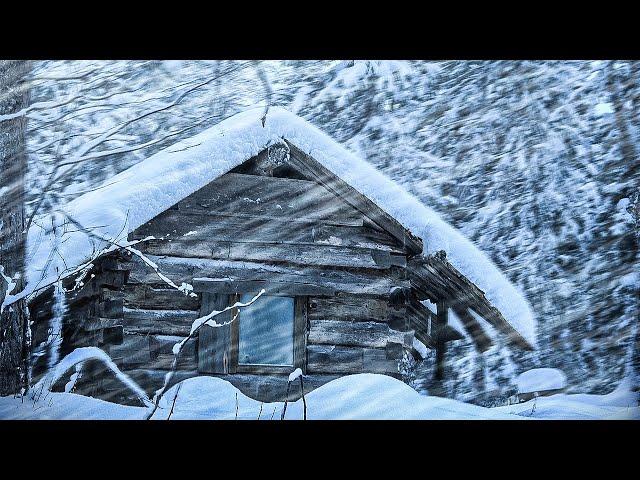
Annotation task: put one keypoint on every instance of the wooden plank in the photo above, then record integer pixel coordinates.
(349, 308)
(309, 167)
(271, 288)
(147, 297)
(214, 344)
(349, 236)
(167, 322)
(301, 254)
(362, 281)
(163, 345)
(360, 334)
(341, 359)
(239, 194)
(134, 350)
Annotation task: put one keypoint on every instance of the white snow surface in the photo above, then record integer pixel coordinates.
(141, 192)
(362, 396)
(540, 379)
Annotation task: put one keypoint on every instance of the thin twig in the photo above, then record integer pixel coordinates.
(173, 404)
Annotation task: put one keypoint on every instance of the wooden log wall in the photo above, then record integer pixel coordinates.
(249, 231)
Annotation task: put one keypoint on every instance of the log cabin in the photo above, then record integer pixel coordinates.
(349, 263)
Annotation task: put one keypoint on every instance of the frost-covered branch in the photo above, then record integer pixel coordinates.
(82, 355)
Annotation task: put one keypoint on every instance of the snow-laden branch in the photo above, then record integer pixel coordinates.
(128, 246)
(82, 355)
(7, 298)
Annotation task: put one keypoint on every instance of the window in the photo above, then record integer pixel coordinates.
(268, 336)
(266, 331)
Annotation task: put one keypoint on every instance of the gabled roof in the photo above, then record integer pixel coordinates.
(143, 191)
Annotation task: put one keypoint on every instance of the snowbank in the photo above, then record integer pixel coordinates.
(362, 396)
(540, 379)
(621, 404)
(138, 194)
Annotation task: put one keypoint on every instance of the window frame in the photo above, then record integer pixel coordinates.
(299, 338)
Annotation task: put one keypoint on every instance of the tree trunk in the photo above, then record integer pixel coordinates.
(14, 325)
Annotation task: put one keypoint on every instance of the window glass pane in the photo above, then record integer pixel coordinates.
(266, 331)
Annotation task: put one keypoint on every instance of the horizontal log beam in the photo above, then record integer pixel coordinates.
(339, 359)
(300, 254)
(235, 193)
(146, 297)
(362, 282)
(359, 334)
(349, 308)
(167, 322)
(176, 225)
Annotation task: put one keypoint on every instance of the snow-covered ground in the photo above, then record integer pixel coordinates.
(363, 396)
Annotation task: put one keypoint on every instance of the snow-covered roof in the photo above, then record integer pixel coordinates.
(141, 192)
(541, 379)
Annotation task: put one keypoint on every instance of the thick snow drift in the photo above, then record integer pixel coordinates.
(138, 194)
(363, 396)
(540, 379)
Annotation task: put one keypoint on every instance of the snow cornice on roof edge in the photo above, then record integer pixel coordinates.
(141, 192)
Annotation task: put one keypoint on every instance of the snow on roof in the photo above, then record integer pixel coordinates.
(141, 192)
(541, 379)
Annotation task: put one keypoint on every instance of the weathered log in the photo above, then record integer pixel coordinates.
(134, 350)
(163, 345)
(361, 334)
(340, 359)
(349, 308)
(221, 286)
(167, 322)
(147, 297)
(237, 194)
(216, 347)
(350, 236)
(165, 362)
(362, 282)
(151, 380)
(273, 388)
(301, 254)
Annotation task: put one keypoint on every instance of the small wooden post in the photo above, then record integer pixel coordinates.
(442, 318)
